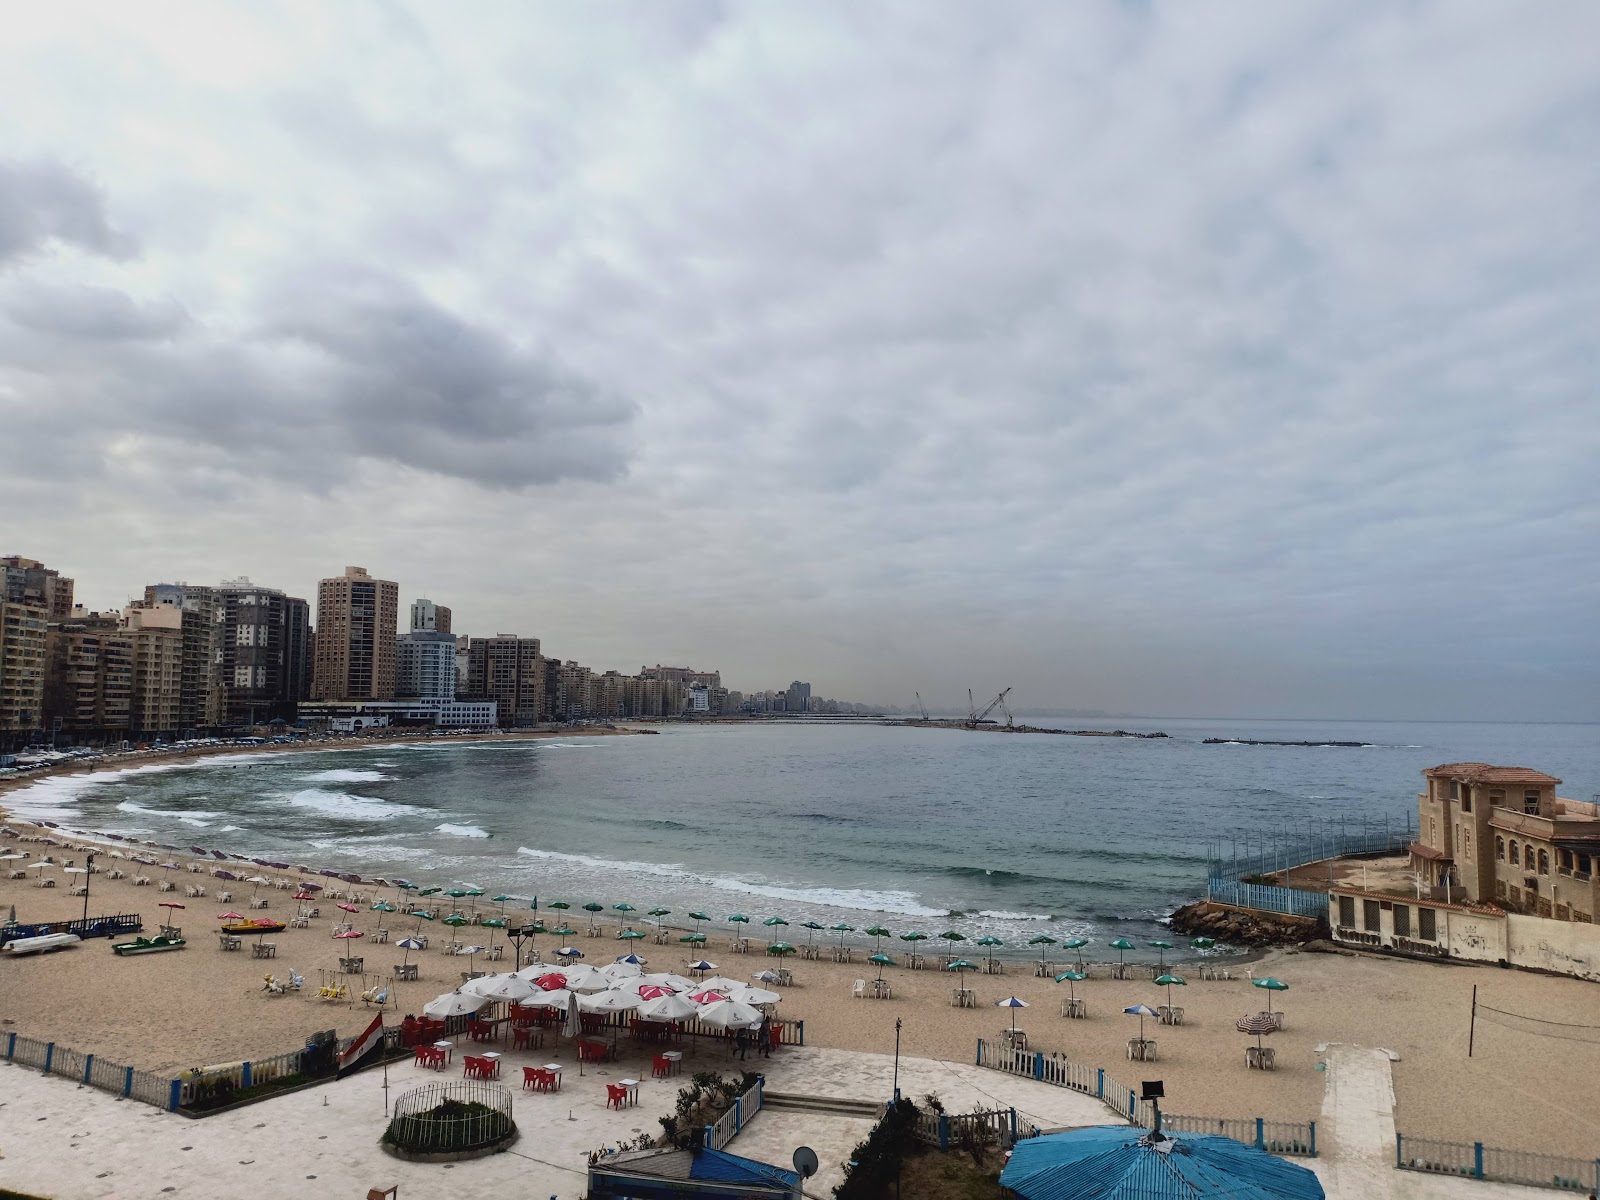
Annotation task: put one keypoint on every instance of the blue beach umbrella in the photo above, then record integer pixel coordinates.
(1141, 1011)
(1013, 1003)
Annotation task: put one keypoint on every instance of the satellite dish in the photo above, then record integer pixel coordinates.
(805, 1162)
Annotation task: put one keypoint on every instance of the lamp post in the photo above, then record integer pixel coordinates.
(88, 874)
(897, 1023)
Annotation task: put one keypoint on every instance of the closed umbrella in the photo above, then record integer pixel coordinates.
(883, 960)
(1141, 1011)
(1070, 978)
(1013, 1003)
(1169, 981)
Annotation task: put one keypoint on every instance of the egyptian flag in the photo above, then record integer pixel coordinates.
(365, 1050)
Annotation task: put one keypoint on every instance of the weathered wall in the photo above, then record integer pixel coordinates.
(1566, 947)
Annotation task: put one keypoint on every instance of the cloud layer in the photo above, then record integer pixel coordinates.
(1235, 360)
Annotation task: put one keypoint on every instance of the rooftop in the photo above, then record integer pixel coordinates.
(1476, 772)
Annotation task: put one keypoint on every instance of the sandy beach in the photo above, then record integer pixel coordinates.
(202, 1005)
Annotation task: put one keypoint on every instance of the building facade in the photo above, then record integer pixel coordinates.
(203, 699)
(253, 650)
(28, 581)
(89, 677)
(425, 665)
(510, 671)
(428, 617)
(1501, 835)
(23, 632)
(156, 633)
(298, 650)
(355, 637)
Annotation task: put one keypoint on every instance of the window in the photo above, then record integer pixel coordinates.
(1433, 832)
(1544, 862)
(1427, 928)
(1402, 920)
(1497, 797)
(1585, 864)
(1530, 803)
(1466, 842)
(1566, 860)
(1514, 859)
(1466, 800)
(1500, 849)
(1455, 790)
(1370, 920)
(1347, 911)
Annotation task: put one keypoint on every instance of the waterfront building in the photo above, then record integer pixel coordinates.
(428, 617)
(88, 676)
(28, 581)
(355, 637)
(352, 716)
(202, 701)
(298, 651)
(510, 671)
(798, 698)
(1501, 835)
(575, 701)
(699, 699)
(23, 630)
(254, 646)
(156, 632)
(425, 665)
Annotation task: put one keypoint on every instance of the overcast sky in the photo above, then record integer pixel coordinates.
(1179, 359)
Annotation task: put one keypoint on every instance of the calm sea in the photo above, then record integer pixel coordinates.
(914, 828)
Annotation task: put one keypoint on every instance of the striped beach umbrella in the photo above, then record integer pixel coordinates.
(1013, 1003)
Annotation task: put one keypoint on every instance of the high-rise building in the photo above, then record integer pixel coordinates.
(297, 651)
(253, 644)
(356, 629)
(28, 581)
(428, 617)
(203, 700)
(425, 666)
(23, 628)
(510, 671)
(798, 697)
(88, 676)
(156, 632)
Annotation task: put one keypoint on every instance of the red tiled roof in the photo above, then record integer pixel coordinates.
(1422, 851)
(1476, 772)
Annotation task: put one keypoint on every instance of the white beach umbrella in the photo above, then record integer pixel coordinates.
(668, 980)
(480, 986)
(583, 978)
(510, 989)
(453, 1004)
(754, 995)
(618, 971)
(720, 983)
(729, 1014)
(559, 998)
(609, 1002)
(668, 1008)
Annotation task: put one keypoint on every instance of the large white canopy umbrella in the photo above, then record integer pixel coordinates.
(481, 985)
(583, 978)
(618, 971)
(667, 979)
(609, 1002)
(453, 1004)
(729, 1014)
(720, 983)
(754, 995)
(510, 989)
(668, 1008)
(543, 999)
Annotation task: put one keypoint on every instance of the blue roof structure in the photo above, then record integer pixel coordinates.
(720, 1165)
(1116, 1162)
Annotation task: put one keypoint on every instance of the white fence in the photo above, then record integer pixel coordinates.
(727, 1126)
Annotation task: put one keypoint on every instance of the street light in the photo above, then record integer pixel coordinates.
(88, 874)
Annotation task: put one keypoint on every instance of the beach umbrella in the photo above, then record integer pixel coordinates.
(458, 893)
(510, 990)
(841, 929)
(629, 960)
(348, 934)
(697, 917)
(701, 966)
(1119, 946)
(382, 906)
(407, 887)
(1161, 949)
(653, 991)
(564, 931)
(721, 983)
(453, 1004)
(1168, 981)
(349, 908)
(1141, 1011)
(811, 928)
(988, 942)
(632, 935)
(305, 895)
(569, 952)
(883, 960)
(454, 920)
(173, 904)
(779, 949)
(767, 976)
(694, 939)
(668, 979)
(1013, 1003)
(913, 937)
(709, 995)
(1042, 940)
(1202, 943)
(960, 965)
(1259, 1024)
(230, 916)
(878, 932)
(1270, 985)
(613, 1000)
(618, 971)
(754, 996)
(669, 1006)
(583, 978)
(493, 923)
(550, 981)
(658, 913)
(593, 907)
(469, 951)
(1070, 978)
(771, 921)
(623, 908)
(559, 905)
(432, 891)
(555, 998)
(408, 945)
(729, 1014)
(1076, 943)
(1113, 1160)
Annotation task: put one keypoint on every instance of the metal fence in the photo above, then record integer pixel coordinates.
(91, 1070)
(727, 1126)
(1234, 861)
(464, 1115)
(1474, 1160)
(1264, 898)
(1279, 1137)
(992, 1127)
(116, 925)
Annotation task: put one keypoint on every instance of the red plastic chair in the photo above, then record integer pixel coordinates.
(531, 1079)
(616, 1095)
(522, 1038)
(660, 1066)
(424, 1056)
(473, 1068)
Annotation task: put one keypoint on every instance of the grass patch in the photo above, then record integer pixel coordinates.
(957, 1175)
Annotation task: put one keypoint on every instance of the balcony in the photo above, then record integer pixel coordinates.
(1579, 876)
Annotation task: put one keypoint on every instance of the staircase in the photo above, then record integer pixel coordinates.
(837, 1106)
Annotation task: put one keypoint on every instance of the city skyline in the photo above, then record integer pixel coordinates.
(1138, 359)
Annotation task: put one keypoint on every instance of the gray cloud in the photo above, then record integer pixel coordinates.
(43, 201)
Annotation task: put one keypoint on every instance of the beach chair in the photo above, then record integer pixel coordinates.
(660, 1066)
(860, 989)
(531, 1079)
(616, 1096)
(523, 1037)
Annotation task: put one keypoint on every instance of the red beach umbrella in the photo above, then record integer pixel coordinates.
(349, 908)
(169, 904)
(230, 916)
(654, 991)
(707, 997)
(552, 981)
(348, 933)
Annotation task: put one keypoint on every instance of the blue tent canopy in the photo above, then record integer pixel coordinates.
(1114, 1162)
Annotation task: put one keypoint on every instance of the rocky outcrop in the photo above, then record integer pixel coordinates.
(1244, 926)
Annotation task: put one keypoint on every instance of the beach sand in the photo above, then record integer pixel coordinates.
(201, 1006)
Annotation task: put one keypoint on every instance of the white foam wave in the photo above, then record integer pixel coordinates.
(471, 831)
(568, 745)
(50, 798)
(346, 804)
(860, 899)
(347, 775)
(231, 829)
(187, 815)
(1001, 915)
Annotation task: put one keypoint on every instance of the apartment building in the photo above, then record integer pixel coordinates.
(355, 637)
(28, 581)
(156, 702)
(89, 676)
(23, 630)
(425, 665)
(510, 671)
(203, 698)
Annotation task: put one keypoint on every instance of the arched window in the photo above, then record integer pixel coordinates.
(1513, 854)
(1544, 862)
(1500, 849)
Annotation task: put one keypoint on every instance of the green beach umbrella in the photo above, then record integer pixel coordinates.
(1202, 943)
(883, 960)
(594, 907)
(699, 916)
(959, 965)
(1271, 985)
(1070, 978)
(950, 937)
(779, 949)
(811, 928)
(1076, 943)
(914, 936)
(432, 891)
(878, 932)
(623, 907)
(501, 898)
(493, 922)
(457, 893)
(770, 921)
(694, 939)
(410, 887)
(621, 921)
(560, 905)
(632, 935)
(456, 921)
(658, 913)
(474, 891)
(841, 929)
(1042, 940)
(564, 931)
(988, 942)
(1119, 946)
(740, 918)
(1161, 949)
(1168, 981)
(382, 906)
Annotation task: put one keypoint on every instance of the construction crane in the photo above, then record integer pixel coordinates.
(977, 718)
(921, 707)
